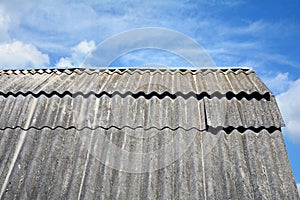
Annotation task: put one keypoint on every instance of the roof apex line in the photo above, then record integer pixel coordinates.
(129, 70)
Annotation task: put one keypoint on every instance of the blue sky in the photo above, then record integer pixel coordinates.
(264, 35)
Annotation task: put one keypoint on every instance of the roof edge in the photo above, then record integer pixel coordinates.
(125, 69)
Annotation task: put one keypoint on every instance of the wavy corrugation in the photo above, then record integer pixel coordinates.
(202, 81)
(129, 70)
(254, 113)
(63, 164)
(93, 112)
(127, 111)
(141, 134)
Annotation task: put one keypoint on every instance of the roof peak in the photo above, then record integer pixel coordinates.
(126, 69)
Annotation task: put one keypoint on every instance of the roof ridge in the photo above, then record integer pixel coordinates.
(88, 71)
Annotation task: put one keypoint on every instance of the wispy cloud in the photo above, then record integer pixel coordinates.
(149, 58)
(55, 27)
(277, 83)
(154, 38)
(4, 24)
(289, 105)
(279, 59)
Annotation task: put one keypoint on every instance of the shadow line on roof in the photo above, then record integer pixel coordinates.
(100, 127)
(202, 95)
(213, 130)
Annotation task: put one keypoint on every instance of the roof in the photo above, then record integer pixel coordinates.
(208, 133)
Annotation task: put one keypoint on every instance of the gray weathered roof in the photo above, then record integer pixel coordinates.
(217, 133)
(122, 81)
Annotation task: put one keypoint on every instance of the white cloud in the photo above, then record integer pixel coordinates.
(54, 26)
(84, 47)
(64, 63)
(298, 186)
(102, 19)
(18, 54)
(289, 104)
(277, 83)
(79, 52)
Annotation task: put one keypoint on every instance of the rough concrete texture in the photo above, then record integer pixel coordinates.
(141, 134)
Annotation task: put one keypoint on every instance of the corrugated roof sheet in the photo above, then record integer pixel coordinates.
(85, 81)
(243, 113)
(217, 133)
(117, 112)
(238, 96)
(55, 164)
